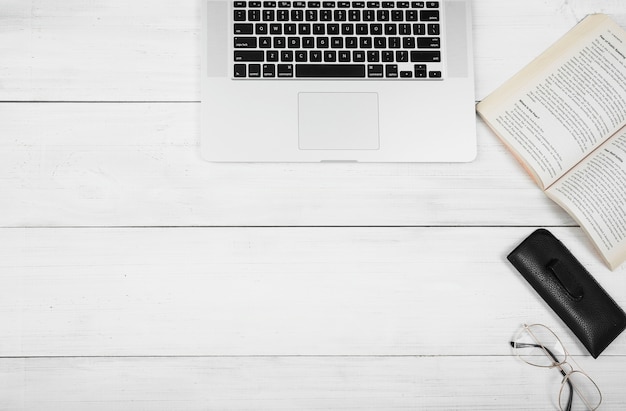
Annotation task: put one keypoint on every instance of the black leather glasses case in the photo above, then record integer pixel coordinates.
(569, 289)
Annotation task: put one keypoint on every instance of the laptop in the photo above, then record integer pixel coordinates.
(334, 81)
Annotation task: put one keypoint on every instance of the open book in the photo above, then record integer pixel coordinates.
(564, 118)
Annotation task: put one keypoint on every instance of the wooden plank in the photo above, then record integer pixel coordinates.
(273, 291)
(149, 50)
(290, 383)
(139, 165)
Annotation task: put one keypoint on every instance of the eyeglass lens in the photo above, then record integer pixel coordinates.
(537, 345)
(580, 392)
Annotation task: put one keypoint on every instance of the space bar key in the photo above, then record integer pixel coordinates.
(330, 70)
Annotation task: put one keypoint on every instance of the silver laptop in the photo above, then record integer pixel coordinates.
(314, 81)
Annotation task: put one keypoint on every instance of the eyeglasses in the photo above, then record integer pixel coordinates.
(537, 345)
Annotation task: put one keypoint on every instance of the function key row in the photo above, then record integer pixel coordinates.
(339, 4)
(325, 15)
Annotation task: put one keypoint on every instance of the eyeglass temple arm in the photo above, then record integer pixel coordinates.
(556, 361)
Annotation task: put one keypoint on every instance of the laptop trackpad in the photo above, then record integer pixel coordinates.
(338, 121)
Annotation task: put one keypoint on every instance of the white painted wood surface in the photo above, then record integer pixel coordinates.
(135, 276)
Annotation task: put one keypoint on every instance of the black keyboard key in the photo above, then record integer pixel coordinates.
(375, 70)
(434, 74)
(272, 55)
(315, 56)
(330, 70)
(249, 56)
(239, 4)
(433, 29)
(373, 56)
(329, 4)
(336, 42)
(420, 70)
(344, 56)
(310, 15)
(268, 15)
(428, 43)
(429, 15)
(284, 4)
(425, 56)
(245, 42)
(301, 56)
(388, 4)
(382, 15)
(269, 4)
(322, 42)
(340, 15)
(358, 56)
(280, 42)
(293, 42)
(330, 56)
(241, 28)
(265, 42)
(304, 29)
(239, 15)
(432, 4)
(286, 56)
(285, 70)
(256, 4)
(419, 29)
(406, 74)
(373, 4)
(253, 15)
(240, 70)
(352, 42)
(269, 70)
(260, 28)
(254, 70)
(391, 70)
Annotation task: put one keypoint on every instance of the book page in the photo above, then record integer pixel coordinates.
(594, 194)
(566, 103)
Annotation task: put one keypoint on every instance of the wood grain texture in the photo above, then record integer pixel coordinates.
(364, 286)
(272, 291)
(293, 383)
(71, 164)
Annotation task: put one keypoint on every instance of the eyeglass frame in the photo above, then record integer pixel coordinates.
(556, 364)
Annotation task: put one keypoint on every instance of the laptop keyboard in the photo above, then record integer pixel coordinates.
(337, 40)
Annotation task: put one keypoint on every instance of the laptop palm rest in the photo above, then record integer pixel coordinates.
(338, 121)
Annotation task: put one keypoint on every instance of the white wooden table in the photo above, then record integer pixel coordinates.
(135, 276)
